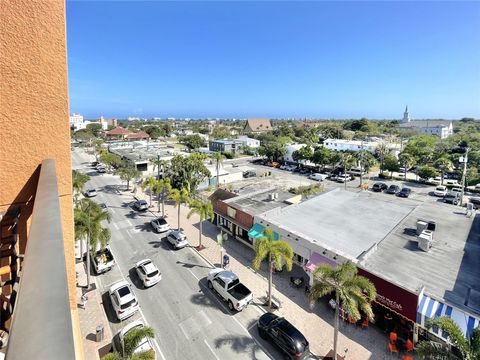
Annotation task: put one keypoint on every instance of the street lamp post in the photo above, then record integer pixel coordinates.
(465, 161)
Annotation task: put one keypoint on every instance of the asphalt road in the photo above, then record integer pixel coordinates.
(190, 322)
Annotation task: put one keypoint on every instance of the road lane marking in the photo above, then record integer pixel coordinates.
(206, 343)
(195, 276)
(116, 226)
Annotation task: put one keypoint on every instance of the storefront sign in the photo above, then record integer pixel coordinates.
(231, 212)
(392, 296)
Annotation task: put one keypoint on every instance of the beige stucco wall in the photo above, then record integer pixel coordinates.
(34, 123)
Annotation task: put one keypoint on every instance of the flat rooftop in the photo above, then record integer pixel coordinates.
(258, 202)
(145, 153)
(449, 271)
(349, 222)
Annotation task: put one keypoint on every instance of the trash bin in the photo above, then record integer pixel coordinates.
(226, 260)
(99, 333)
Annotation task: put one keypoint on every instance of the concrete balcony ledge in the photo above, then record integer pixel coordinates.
(41, 321)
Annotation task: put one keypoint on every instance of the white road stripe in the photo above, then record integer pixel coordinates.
(206, 343)
(191, 272)
(116, 226)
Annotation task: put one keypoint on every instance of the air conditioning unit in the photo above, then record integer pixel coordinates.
(271, 197)
(424, 243)
(421, 225)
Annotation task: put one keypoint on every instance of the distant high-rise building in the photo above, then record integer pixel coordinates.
(76, 121)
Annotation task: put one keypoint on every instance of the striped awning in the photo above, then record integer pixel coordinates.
(430, 308)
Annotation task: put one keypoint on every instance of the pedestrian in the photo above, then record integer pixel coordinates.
(84, 299)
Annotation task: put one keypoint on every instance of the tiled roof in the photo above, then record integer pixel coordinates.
(258, 125)
(118, 131)
(139, 135)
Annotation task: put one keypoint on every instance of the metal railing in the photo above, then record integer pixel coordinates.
(41, 322)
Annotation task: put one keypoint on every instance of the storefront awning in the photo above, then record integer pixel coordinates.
(317, 259)
(430, 308)
(257, 231)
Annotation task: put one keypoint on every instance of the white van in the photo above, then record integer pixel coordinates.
(318, 176)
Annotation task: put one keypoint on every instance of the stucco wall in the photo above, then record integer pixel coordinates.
(34, 121)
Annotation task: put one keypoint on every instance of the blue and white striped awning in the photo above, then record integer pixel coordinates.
(430, 308)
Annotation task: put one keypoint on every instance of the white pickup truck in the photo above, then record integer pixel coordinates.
(227, 285)
(103, 260)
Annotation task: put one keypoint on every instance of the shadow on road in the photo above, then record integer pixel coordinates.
(109, 309)
(134, 279)
(190, 266)
(207, 298)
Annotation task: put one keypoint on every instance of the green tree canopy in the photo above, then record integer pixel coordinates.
(192, 141)
(427, 172)
(188, 172)
(95, 128)
(128, 172)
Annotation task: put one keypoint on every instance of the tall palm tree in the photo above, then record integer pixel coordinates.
(346, 161)
(443, 164)
(179, 197)
(162, 188)
(88, 218)
(78, 182)
(277, 251)
(131, 342)
(407, 160)
(469, 348)
(160, 164)
(204, 209)
(218, 157)
(353, 293)
(149, 183)
(381, 152)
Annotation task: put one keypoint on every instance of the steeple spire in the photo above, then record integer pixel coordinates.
(406, 115)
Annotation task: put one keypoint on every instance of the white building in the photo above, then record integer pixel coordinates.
(253, 143)
(76, 121)
(440, 128)
(350, 145)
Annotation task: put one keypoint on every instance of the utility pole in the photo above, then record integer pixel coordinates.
(158, 166)
(465, 161)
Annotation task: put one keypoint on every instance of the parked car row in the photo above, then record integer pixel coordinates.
(392, 189)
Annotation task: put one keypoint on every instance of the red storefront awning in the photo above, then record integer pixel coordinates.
(394, 297)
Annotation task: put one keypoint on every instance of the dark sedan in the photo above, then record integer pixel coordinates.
(405, 192)
(393, 189)
(284, 335)
(379, 186)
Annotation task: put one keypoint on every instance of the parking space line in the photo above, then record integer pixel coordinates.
(206, 343)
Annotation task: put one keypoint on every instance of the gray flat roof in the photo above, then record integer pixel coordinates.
(142, 154)
(449, 271)
(257, 202)
(350, 222)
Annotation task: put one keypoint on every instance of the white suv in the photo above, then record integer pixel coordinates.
(90, 193)
(177, 239)
(148, 272)
(160, 225)
(123, 300)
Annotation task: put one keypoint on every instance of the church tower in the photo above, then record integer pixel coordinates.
(406, 115)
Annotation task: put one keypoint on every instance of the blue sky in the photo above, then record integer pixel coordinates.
(274, 59)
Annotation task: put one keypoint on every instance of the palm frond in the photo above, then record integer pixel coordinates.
(475, 343)
(144, 355)
(455, 334)
(431, 350)
(319, 290)
(133, 338)
(112, 356)
(262, 248)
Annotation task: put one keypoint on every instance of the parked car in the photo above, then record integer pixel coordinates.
(284, 335)
(160, 225)
(140, 205)
(144, 345)
(94, 163)
(379, 186)
(440, 191)
(100, 166)
(477, 187)
(405, 192)
(102, 260)
(342, 178)
(249, 173)
(123, 300)
(452, 197)
(102, 170)
(147, 272)
(230, 289)
(90, 193)
(475, 200)
(178, 239)
(393, 189)
(318, 176)
(234, 165)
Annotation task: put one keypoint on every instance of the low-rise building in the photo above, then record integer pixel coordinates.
(350, 145)
(415, 281)
(76, 121)
(226, 145)
(440, 128)
(252, 143)
(257, 126)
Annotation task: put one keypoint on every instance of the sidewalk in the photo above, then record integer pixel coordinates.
(91, 316)
(317, 326)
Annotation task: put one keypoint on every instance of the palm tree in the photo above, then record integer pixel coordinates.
(346, 160)
(469, 348)
(218, 157)
(128, 173)
(78, 182)
(157, 162)
(162, 188)
(131, 342)
(277, 251)
(204, 209)
(406, 160)
(179, 197)
(149, 183)
(381, 152)
(352, 292)
(88, 220)
(443, 164)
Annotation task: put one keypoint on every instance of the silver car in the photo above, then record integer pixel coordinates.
(160, 225)
(141, 205)
(177, 239)
(90, 193)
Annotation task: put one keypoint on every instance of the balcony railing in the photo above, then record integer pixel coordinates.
(41, 322)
